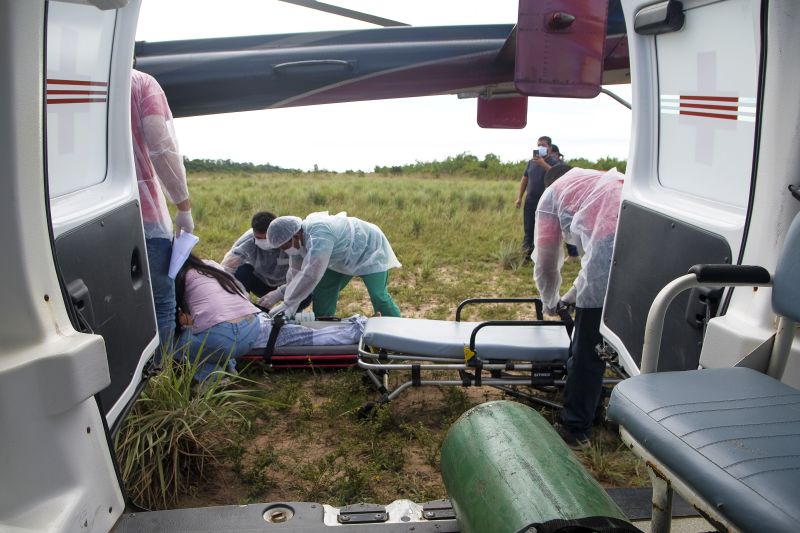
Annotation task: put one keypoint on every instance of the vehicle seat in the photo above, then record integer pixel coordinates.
(728, 437)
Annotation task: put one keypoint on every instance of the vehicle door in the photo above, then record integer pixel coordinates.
(94, 202)
(687, 198)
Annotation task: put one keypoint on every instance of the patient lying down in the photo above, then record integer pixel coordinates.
(216, 322)
(347, 331)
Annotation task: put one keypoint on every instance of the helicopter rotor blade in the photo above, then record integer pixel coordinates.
(344, 12)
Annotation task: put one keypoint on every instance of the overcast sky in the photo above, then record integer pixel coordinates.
(360, 135)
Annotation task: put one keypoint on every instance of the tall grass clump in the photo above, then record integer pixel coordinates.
(510, 256)
(176, 430)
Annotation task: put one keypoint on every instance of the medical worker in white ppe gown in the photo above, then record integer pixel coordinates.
(325, 252)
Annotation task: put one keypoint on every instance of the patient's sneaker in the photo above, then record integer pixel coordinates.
(575, 441)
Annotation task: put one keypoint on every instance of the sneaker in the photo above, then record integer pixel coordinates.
(575, 441)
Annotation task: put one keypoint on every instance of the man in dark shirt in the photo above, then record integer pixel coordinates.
(531, 187)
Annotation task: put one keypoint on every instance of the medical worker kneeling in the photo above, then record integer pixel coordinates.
(325, 252)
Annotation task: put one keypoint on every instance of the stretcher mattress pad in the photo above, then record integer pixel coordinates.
(444, 338)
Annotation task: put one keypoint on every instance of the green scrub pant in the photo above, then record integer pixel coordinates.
(326, 293)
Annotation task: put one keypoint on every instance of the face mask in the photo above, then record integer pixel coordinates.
(542, 151)
(292, 251)
(262, 243)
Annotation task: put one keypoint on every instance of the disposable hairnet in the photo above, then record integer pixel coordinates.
(583, 205)
(281, 230)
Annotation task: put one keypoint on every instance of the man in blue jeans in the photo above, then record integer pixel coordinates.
(159, 169)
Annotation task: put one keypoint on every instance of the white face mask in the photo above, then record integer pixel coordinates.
(292, 251)
(262, 244)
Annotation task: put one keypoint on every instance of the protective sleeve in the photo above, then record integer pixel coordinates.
(163, 149)
(548, 256)
(231, 261)
(301, 283)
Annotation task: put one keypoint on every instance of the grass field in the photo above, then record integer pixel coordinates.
(456, 238)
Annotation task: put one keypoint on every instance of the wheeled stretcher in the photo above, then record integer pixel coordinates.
(499, 353)
(329, 344)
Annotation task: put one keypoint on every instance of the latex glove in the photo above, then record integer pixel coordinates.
(281, 307)
(570, 296)
(550, 311)
(184, 222)
(270, 299)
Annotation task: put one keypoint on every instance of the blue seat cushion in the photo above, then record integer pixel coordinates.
(445, 338)
(731, 434)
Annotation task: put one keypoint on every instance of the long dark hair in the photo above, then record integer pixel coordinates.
(225, 280)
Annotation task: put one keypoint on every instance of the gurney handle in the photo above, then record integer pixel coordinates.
(535, 301)
(511, 323)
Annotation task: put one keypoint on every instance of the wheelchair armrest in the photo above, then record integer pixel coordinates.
(469, 301)
(699, 275)
(731, 274)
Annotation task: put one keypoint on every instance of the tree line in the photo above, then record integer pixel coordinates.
(464, 164)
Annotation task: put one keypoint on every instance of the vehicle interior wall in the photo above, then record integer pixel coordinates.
(57, 472)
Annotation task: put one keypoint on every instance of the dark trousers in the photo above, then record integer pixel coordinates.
(246, 275)
(529, 224)
(585, 372)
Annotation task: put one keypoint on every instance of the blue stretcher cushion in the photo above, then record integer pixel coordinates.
(731, 434)
(444, 338)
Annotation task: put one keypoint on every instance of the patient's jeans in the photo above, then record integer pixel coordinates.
(326, 293)
(585, 372)
(222, 342)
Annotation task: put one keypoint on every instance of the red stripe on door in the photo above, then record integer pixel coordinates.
(74, 100)
(65, 91)
(77, 82)
(712, 98)
(708, 115)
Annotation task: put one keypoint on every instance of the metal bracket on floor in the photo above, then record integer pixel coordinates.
(362, 513)
(438, 510)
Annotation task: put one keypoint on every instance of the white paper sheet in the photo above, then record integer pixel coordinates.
(181, 247)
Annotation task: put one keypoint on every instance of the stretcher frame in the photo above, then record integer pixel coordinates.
(378, 362)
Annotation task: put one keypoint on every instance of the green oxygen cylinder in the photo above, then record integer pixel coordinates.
(505, 467)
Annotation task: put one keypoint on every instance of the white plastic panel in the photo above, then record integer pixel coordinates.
(79, 44)
(708, 82)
